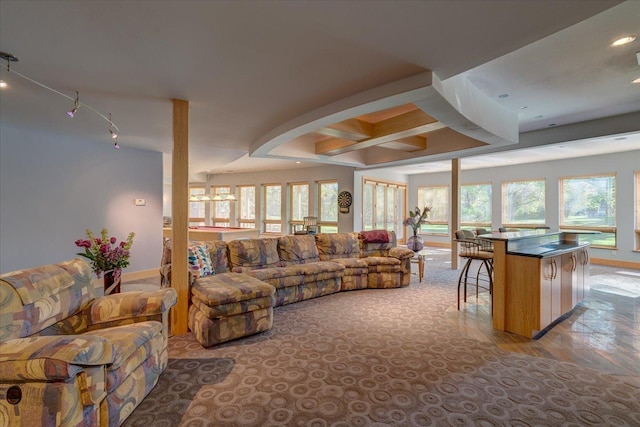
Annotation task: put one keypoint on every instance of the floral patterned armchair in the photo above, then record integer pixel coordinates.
(68, 357)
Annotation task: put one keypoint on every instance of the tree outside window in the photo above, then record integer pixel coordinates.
(272, 208)
(247, 206)
(523, 203)
(437, 198)
(328, 206)
(589, 203)
(475, 205)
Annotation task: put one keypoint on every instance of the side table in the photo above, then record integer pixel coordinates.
(418, 258)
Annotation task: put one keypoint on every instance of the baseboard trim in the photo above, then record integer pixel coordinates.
(616, 263)
(142, 274)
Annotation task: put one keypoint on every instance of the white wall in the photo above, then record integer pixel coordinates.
(52, 189)
(622, 164)
(343, 174)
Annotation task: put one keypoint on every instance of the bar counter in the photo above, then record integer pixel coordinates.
(539, 276)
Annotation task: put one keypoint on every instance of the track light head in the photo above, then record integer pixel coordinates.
(76, 104)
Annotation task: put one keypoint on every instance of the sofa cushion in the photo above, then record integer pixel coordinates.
(298, 249)
(199, 261)
(133, 344)
(321, 270)
(383, 264)
(229, 288)
(35, 298)
(280, 277)
(377, 248)
(338, 245)
(251, 254)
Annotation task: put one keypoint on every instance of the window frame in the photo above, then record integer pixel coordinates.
(503, 202)
(295, 220)
(424, 228)
(220, 221)
(268, 222)
(248, 222)
(197, 220)
(327, 226)
(389, 223)
(602, 229)
(473, 225)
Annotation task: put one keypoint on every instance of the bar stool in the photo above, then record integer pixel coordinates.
(474, 249)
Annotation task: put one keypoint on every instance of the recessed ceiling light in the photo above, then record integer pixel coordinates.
(623, 41)
(503, 95)
(538, 117)
(297, 163)
(621, 138)
(3, 84)
(551, 124)
(524, 107)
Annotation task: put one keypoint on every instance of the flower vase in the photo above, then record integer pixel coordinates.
(415, 242)
(112, 281)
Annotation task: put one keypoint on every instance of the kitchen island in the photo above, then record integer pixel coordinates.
(539, 277)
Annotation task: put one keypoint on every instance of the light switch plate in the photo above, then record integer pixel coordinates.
(141, 202)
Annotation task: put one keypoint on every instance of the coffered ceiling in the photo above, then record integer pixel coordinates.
(365, 84)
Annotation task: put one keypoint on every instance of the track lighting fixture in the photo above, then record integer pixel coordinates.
(114, 131)
(76, 105)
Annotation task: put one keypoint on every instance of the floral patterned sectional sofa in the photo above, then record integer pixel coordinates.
(69, 357)
(248, 277)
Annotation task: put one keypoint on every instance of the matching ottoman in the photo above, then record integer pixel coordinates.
(228, 306)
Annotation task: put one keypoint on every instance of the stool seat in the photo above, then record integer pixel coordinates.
(474, 249)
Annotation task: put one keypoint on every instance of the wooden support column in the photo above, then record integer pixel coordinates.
(455, 209)
(180, 215)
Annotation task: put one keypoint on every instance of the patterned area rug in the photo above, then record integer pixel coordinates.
(378, 358)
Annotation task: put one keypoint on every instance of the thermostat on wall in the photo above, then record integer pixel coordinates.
(141, 202)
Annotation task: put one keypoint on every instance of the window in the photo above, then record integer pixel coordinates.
(436, 197)
(386, 200)
(272, 208)
(475, 205)
(637, 206)
(247, 206)
(523, 203)
(221, 210)
(196, 209)
(299, 202)
(589, 203)
(328, 206)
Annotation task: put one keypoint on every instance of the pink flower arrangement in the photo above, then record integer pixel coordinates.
(104, 252)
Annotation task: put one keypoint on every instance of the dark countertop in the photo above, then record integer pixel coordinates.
(539, 243)
(548, 250)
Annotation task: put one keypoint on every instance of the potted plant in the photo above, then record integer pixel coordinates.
(416, 217)
(106, 257)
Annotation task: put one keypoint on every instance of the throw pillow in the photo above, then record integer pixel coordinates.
(199, 261)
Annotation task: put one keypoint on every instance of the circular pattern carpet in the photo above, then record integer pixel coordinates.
(378, 358)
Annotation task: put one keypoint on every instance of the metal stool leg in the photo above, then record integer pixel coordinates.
(465, 273)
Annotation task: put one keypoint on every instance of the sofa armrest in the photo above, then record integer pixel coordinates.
(131, 306)
(165, 276)
(50, 358)
(401, 253)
